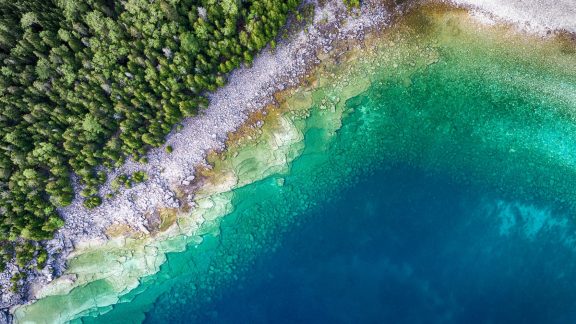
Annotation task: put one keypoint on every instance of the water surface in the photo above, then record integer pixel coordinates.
(424, 178)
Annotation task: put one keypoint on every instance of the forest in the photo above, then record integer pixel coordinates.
(84, 85)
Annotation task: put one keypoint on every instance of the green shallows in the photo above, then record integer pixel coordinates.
(437, 91)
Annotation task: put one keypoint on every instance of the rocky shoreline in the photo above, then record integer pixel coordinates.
(249, 89)
(541, 17)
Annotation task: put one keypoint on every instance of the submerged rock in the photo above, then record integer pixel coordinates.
(382, 123)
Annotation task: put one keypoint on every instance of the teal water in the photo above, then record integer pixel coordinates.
(401, 246)
(434, 184)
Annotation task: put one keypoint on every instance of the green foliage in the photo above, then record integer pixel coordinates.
(25, 254)
(306, 14)
(139, 176)
(92, 202)
(52, 224)
(15, 280)
(352, 3)
(169, 149)
(91, 83)
(41, 259)
(119, 181)
(6, 254)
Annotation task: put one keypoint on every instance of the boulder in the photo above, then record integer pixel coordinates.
(5, 317)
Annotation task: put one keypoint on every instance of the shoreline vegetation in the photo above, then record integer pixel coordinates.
(86, 85)
(187, 182)
(262, 157)
(122, 211)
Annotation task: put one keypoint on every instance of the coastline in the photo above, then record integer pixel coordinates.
(249, 89)
(271, 72)
(541, 17)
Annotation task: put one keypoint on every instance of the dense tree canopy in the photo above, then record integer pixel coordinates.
(85, 84)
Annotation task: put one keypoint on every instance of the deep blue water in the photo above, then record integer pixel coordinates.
(403, 246)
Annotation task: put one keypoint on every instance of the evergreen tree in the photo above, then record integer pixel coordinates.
(90, 83)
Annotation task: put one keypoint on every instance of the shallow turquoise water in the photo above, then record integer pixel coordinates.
(446, 196)
(445, 199)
